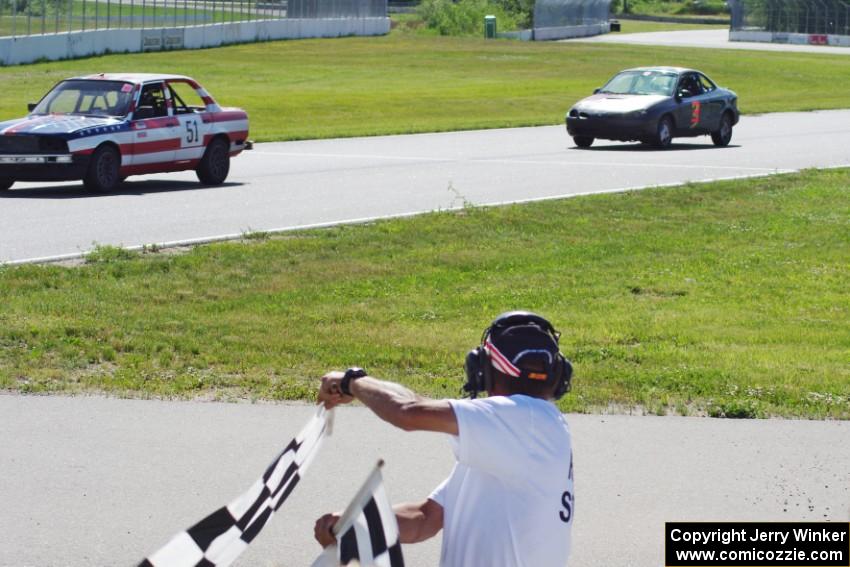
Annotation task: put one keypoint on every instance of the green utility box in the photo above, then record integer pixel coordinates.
(490, 27)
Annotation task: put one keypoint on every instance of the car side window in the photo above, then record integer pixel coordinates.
(706, 84)
(152, 102)
(689, 86)
(186, 99)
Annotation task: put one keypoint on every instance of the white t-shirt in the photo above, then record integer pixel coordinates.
(509, 502)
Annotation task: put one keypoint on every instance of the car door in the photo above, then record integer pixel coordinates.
(154, 130)
(692, 110)
(713, 103)
(194, 123)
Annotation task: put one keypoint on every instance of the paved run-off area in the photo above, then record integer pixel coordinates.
(101, 481)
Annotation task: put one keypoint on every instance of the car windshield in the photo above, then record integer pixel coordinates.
(87, 98)
(642, 83)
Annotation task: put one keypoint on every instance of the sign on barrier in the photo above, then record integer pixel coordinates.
(172, 39)
(151, 40)
(157, 40)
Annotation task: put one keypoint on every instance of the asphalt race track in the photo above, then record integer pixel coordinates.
(713, 39)
(92, 481)
(285, 185)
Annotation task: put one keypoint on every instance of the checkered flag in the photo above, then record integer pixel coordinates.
(221, 537)
(367, 532)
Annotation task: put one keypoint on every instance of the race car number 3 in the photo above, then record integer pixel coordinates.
(695, 110)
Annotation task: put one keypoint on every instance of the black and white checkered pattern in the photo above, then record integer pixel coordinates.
(367, 532)
(373, 538)
(221, 537)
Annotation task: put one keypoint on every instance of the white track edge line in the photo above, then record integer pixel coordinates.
(364, 220)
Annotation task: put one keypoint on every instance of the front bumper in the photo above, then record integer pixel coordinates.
(43, 167)
(620, 128)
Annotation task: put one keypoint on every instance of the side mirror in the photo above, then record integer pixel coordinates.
(31, 106)
(596, 90)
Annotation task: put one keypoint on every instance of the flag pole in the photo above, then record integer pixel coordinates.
(359, 501)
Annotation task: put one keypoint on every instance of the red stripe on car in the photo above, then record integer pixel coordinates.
(137, 148)
(229, 115)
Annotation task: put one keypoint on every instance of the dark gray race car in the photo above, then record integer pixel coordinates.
(654, 105)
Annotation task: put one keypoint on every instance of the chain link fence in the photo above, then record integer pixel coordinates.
(564, 13)
(40, 17)
(791, 16)
(336, 8)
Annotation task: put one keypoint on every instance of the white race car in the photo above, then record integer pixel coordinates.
(103, 128)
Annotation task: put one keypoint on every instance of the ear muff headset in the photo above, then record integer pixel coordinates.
(479, 366)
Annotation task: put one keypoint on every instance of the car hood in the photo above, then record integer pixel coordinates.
(611, 103)
(57, 124)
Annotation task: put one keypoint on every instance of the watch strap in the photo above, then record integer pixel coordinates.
(350, 374)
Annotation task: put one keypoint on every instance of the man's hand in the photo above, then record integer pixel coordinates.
(322, 531)
(329, 392)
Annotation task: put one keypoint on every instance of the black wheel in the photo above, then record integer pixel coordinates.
(583, 141)
(215, 165)
(6, 183)
(102, 176)
(723, 135)
(664, 133)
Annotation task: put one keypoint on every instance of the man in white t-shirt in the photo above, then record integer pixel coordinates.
(509, 501)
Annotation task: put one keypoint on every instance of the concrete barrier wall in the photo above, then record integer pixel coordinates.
(795, 38)
(26, 49)
(566, 32)
(522, 35)
(244, 32)
(69, 45)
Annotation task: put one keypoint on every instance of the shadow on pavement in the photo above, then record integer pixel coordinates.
(135, 188)
(638, 147)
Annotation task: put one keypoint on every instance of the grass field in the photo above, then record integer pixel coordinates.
(725, 299)
(722, 299)
(413, 23)
(412, 83)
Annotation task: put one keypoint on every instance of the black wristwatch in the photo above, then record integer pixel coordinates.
(350, 374)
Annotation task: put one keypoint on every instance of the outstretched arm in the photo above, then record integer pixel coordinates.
(391, 402)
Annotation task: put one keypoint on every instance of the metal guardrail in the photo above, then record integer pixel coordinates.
(41, 17)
